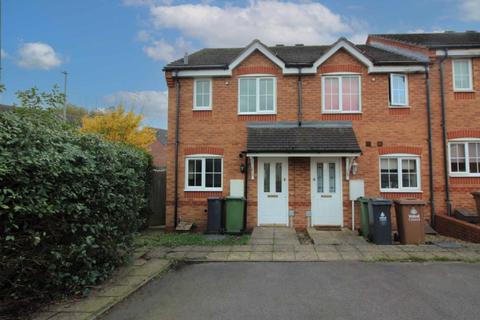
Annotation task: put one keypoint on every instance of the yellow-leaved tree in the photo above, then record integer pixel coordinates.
(118, 125)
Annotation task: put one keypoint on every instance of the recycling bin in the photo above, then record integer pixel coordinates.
(215, 221)
(363, 216)
(476, 196)
(234, 214)
(379, 221)
(410, 224)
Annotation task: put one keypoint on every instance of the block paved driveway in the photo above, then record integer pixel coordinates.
(308, 290)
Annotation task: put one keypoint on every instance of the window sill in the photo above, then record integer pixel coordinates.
(400, 191)
(341, 112)
(464, 91)
(398, 107)
(257, 114)
(465, 175)
(204, 190)
(202, 109)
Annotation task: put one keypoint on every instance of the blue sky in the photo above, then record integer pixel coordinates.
(114, 50)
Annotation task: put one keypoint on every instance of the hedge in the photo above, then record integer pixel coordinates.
(70, 205)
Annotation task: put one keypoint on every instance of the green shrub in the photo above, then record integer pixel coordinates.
(70, 205)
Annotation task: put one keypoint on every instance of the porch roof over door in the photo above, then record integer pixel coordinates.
(309, 138)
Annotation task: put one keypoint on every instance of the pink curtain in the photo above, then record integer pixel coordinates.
(350, 94)
(331, 94)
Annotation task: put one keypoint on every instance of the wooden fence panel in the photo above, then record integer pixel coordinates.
(158, 197)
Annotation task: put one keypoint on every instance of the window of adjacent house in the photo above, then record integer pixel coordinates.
(203, 94)
(399, 173)
(462, 74)
(398, 90)
(203, 173)
(465, 158)
(341, 93)
(256, 95)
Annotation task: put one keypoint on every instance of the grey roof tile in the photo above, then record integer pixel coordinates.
(318, 139)
(291, 55)
(436, 40)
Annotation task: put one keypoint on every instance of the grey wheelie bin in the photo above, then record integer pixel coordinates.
(379, 221)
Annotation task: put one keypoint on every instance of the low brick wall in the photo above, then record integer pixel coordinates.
(451, 227)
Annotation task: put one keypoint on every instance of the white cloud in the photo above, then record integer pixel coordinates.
(470, 10)
(38, 55)
(151, 104)
(143, 36)
(161, 50)
(270, 21)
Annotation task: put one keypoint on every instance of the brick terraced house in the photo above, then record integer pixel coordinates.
(294, 127)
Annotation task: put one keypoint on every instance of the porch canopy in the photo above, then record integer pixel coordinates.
(311, 139)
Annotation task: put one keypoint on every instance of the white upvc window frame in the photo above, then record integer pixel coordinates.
(470, 70)
(340, 96)
(391, 102)
(258, 77)
(400, 157)
(467, 172)
(195, 107)
(203, 158)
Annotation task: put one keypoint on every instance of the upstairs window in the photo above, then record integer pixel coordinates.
(203, 173)
(398, 90)
(202, 96)
(462, 74)
(256, 95)
(399, 173)
(341, 94)
(464, 158)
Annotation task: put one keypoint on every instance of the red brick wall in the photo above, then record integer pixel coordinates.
(384, 128)
(455, 228)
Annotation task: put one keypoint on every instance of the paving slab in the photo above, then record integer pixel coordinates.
(329, 256)
(151, 267)
(262, 248)
(304, 247)
(222, 248)
(83, 306)
(217, 256)
(306, 256)
(194, 255)
(261, 256)
(238, 256)
(72, 316)
(284, 256)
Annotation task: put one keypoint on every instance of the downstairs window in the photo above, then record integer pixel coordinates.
(203, 173)
(399, 173)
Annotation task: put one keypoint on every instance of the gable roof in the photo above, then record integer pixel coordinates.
(318, 137)
(291, 55)
(447, 39)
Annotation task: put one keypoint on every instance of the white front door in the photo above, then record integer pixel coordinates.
(326, 191)
(272, 191)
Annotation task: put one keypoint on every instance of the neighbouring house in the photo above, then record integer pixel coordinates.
(299, 124)
(5, 107)
(158, 149)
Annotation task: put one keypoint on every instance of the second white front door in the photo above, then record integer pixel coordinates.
(272, 191)
(326, 191)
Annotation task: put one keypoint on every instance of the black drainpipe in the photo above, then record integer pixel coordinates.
(245, 190)
(444, 135)
(299, 92)
(430, 152)
(177, 133)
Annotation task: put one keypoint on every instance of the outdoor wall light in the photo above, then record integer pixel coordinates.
(242, 168)
(354, 167)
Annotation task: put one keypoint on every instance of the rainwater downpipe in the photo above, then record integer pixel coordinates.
(177, 142)
(299, 92)
(444, 134)
(430, 151)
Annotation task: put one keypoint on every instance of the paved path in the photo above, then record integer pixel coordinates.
(333, 290)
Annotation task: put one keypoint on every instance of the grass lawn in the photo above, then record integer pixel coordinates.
(151, 239)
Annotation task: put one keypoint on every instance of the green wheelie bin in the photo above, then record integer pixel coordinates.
(234, 214)
(363, 216)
